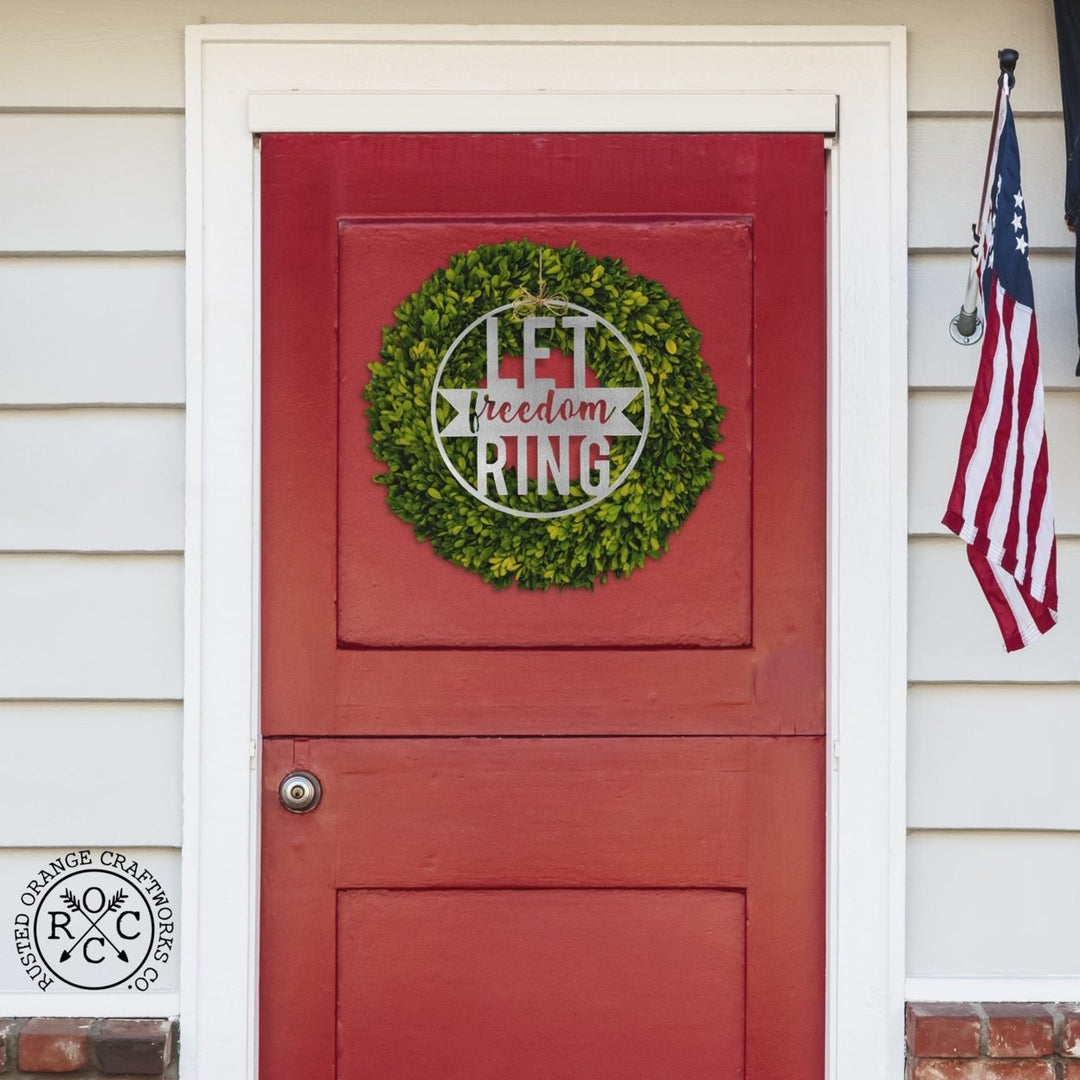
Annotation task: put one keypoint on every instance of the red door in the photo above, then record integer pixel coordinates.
(569, 834)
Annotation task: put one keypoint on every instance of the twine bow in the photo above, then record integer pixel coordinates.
(528, 304)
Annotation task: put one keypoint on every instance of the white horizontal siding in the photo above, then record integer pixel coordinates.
(17, 868)
(121, 54)
(993, 757)
(936, 286)
(983, 758)
(953, 636)
(91, 183)
(947, 159)
(109, 331)
(936, 424)
(91, 330)
(87, 773)
(92, 480)
(993, 903)
(94, 626)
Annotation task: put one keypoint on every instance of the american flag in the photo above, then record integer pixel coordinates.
(1000, 502)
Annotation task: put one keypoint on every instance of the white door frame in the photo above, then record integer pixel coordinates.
(249, 79)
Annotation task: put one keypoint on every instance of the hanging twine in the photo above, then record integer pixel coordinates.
(530, 304)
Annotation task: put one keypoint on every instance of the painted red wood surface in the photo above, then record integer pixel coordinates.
(629, 881)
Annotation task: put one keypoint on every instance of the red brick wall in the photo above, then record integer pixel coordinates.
(82, 1049)
(993, 1041)
(945, 1041)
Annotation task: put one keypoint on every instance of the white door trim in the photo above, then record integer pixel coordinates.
(538, 112)
(391, 78)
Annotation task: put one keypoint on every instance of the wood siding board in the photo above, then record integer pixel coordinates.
(66, 54)
(992, 903)
(91, 183)
(993, 757)
(953, 636)
(98, 626)
(936, 284)
(946, 162)
(92, 480)
(936, 424)
(92, 331)
(93, 772)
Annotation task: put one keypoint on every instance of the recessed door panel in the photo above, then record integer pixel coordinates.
(620, 983)
(395, 592)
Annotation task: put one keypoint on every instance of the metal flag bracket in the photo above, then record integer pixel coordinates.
(966, 328)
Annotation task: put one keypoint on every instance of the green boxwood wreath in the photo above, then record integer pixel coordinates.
(631, 524)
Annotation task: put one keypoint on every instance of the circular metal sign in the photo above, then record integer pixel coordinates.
(555, 426)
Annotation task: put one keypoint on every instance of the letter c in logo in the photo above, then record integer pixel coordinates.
(120, 924)
(86, 950)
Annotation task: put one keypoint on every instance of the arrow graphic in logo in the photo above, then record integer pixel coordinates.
(72, 902)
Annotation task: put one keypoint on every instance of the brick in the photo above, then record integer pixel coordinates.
(54, 1045)
(134, 1047)
(945, 1069)
(1019, 1030)
(943, 1029)
(1070, 1070)
(8, 1031)
(984, 1069)
(1042, 1069)
(1069, 1040)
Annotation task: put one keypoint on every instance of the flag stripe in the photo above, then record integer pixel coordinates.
(992, 383)
(1020, 618)
(993, 589)
(996, 494)
(1029, 406)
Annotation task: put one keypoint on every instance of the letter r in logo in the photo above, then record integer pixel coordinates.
(59, 920)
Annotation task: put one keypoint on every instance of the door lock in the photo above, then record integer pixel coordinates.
(300, 792)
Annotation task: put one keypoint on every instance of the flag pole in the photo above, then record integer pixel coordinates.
(966, 327)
